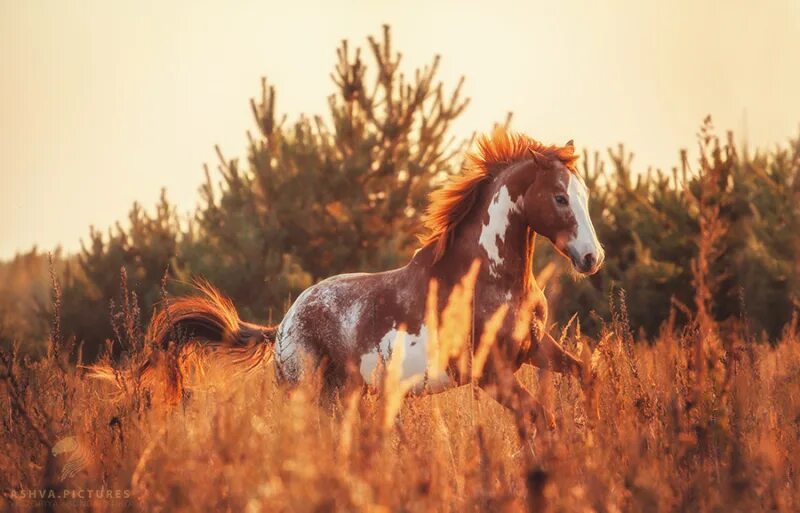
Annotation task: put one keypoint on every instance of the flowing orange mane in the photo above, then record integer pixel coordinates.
(450, 204)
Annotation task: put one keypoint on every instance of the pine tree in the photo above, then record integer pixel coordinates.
(650, 225)
(322, 197)
(141, 252)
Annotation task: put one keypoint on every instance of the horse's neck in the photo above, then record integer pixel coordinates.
(495, 233)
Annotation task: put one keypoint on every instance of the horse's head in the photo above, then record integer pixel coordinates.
(556, 205)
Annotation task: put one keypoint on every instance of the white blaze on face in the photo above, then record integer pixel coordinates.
(500, 210)
(415, 360)
(585, 241)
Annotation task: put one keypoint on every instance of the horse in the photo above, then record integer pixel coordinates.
(483, 222)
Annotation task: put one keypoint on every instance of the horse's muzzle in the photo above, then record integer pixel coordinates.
(588, 263)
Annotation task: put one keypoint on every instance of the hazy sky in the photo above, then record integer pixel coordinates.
(105, 102)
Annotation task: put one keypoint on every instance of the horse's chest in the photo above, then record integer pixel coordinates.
(526, 318)
(490, 300)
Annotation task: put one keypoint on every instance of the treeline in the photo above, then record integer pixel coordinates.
(653, 225)
(346, 192)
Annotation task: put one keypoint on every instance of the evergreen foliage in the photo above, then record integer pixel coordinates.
(346, 192)
(649, 224)
(320, 197)
(141, 252)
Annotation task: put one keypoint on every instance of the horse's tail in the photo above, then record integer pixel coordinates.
(187, 330)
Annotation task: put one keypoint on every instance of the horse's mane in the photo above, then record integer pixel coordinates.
(450, 204)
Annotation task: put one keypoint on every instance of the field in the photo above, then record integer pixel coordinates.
(700, 419)
(688, 396)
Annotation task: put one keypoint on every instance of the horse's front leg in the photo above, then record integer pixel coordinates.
(549, 354)
(505, 388)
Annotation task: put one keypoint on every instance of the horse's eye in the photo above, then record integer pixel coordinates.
(562, 200)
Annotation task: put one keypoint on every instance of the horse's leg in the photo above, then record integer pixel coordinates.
(549, 354)
(505, 388)
(298, 359)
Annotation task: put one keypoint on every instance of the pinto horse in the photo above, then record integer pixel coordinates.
(512, 188)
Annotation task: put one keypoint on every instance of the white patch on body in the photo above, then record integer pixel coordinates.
(500, 210)
(415, 361)
(585, 240)
(350, 321)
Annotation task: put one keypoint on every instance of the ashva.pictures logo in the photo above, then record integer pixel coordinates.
(73, 453)
(74, 457)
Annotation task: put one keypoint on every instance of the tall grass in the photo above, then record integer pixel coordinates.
(678, 430)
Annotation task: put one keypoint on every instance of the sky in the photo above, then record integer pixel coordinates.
(103, 103)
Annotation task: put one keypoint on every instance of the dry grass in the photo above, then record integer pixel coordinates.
(663, 441)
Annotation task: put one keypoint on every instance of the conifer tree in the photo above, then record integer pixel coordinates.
(142, 252)
(650, 225)
(323, 195)
(346, 191)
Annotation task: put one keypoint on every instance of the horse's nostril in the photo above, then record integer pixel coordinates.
(589, 260)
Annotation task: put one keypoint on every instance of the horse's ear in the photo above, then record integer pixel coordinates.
(538, 157)
(570, 143)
